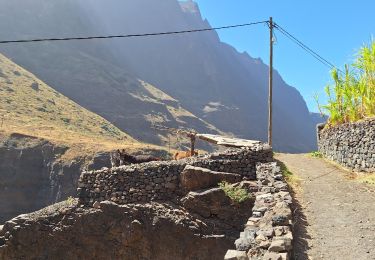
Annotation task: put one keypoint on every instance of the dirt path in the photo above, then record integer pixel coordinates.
(335, 216)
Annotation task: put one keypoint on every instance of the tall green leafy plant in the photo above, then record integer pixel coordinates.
(351, 96)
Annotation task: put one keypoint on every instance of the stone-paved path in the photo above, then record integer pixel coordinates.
(335, 216)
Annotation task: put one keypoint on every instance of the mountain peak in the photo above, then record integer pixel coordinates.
(191, 7)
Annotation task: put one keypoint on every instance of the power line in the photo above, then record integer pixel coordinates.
(306, 48)
(131, 35)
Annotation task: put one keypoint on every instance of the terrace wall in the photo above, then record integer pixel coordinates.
(351, 145)
(161, 180)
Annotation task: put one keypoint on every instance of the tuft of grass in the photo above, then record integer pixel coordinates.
(316, 154)
(234, 193)
(70, 201)
(368, 179)
(293, 180)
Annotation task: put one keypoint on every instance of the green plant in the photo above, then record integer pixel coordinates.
(293, 180)
(316, 154)
(351, 96)
(70, 200)
(234, 193)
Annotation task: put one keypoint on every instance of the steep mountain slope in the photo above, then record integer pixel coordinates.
(88, 72)
(45, 142)
(29, 106)
(209, 78)
(213, 80)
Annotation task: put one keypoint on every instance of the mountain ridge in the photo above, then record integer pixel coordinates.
(209, 78)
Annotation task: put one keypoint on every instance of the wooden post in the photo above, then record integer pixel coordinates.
(270, 85)
(192, 144)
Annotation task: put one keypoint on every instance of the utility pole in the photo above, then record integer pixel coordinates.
(192, 137)
(270, 85)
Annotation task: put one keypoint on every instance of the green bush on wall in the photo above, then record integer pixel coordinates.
(351, 97)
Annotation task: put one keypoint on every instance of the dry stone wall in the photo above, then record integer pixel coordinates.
(161, 180)
(268, 232)
(351, 145)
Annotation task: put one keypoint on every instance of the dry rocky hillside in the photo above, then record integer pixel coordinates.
(217, 84)
(45, 141)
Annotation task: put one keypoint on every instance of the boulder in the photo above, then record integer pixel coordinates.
(214, 203)
(99, 161)
(196, 178)
(155, 231)
(206, 203)
(236, 255)
(280, 245)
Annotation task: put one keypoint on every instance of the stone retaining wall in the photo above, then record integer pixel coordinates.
(268, 233)
(351, 145)
(161, 180)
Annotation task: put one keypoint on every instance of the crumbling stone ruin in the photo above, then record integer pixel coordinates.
(351, 145)
(164, 210)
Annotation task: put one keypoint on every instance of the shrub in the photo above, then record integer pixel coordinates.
(293, 180)
(351, 97)
(316, 154)
(70, 200)
(234, 193)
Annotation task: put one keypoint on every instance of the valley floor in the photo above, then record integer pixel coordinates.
(334, 214)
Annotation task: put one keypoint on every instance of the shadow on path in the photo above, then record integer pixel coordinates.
(300, 234)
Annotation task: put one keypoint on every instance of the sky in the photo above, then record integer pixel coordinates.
(334, 29)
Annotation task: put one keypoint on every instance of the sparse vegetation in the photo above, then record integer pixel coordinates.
(351, 97)
(234, 193)
(368, 179)
(291, 179)
(316, 154)
(50, 115)
(70, 201)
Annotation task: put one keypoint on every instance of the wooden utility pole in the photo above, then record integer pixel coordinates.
(192, 137)
(270, 85)
(188, 133)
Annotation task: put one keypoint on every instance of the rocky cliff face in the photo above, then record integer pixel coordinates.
(218, 85)
(33, 176)
(202, 221)
(133, 231)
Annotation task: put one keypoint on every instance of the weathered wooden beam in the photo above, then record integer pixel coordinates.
(227, 141)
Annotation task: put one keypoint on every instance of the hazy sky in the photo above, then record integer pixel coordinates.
(335, 29)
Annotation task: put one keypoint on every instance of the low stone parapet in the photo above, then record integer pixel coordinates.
(268, 233)
(352, 145)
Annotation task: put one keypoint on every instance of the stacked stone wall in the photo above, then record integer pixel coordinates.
(351, 145)
(161, 180)
(268, 232)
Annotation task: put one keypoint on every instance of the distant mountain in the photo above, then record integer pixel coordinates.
(317, 118)
(222, 88)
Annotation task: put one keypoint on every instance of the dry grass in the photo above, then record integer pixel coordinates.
(157, 93)
(368, 179)
(30, 107)
(292, 179)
